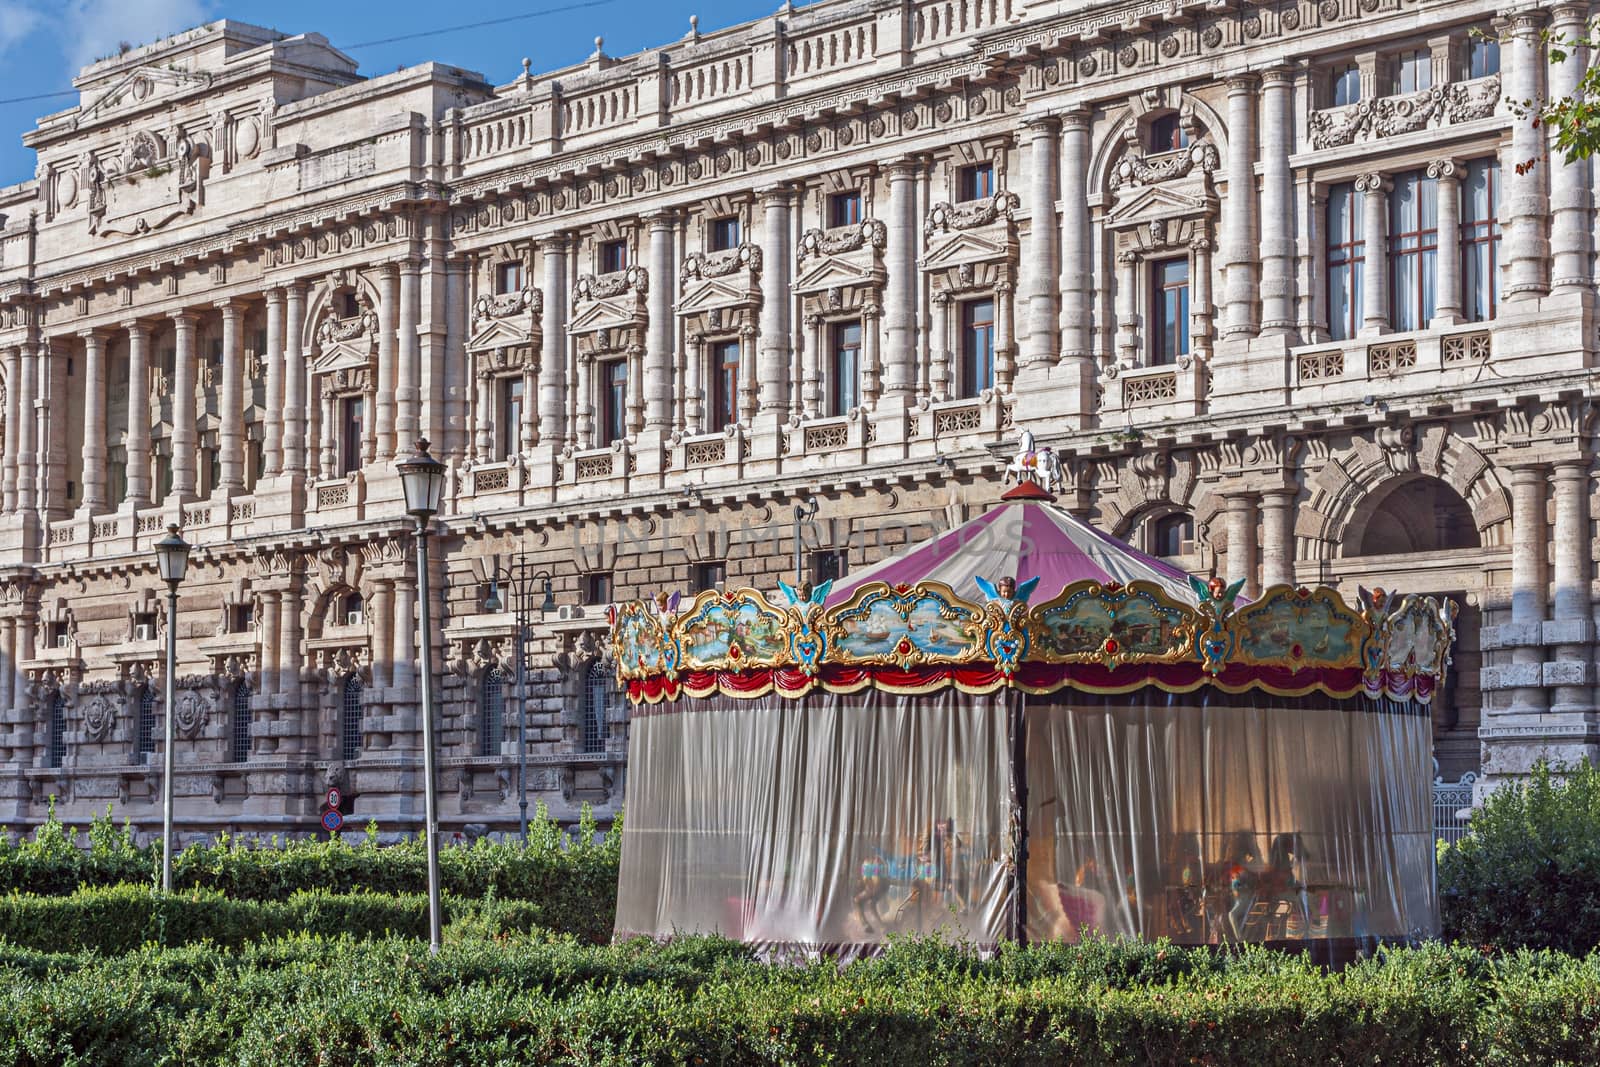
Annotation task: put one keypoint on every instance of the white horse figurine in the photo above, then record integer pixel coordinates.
(1038, 465)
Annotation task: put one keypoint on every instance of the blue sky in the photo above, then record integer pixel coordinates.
(44, 42)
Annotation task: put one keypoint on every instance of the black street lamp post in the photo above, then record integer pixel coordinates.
(422, 477)
(172, 560)
(518, 577)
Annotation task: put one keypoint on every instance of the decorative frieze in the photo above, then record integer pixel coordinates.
(1448, 104)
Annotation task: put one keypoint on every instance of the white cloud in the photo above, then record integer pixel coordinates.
(91, 29)
(16, 22)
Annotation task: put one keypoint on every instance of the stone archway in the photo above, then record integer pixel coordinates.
(1415, 533)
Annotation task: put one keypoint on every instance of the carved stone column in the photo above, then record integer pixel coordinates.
(272, 428)
(776, 263)
(383, 414)
(1527, 207)
(330, 432)
(585, 399)
(1374, 190)
(900, 379)
(294, 380)
(811, 366)
(8, 494)
(483, 425)
(1005, 345)
(1446, 173)
(458, 368)
(408, 369)
(289, 655)
(1570, 221)
(553, 358)
(939, 346)
(528, 432)
(94, 421)
(403, 646)
(1277, 538)
(693, 403)
(271, 641)
(1077, 264)
(1127, 301)
(1241, 561)
(636, 401)
(1529, 535)
(1041, 260)
(231, 402)
(383, 631)
(27, 427)
(871, 359)
(658, 353)
(138, 413)
(1200, 332)
(1277, 200)
(52, 430)
(749, 387)
(1571, 630)
(1240, 222)
(183, 400)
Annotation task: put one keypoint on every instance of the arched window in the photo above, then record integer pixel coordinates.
(1172, 535)
(146, 736)
(595, 706)
(350, 719)
(239, 751)
(492, 708)
(58, 730)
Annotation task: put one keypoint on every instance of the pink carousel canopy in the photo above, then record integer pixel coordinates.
(1025, 537)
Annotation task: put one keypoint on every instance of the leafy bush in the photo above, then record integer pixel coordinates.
(530, 1000)
(117, 919)
(1527, 873)
(573, 878)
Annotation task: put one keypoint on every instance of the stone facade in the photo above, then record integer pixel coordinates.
(646, 306)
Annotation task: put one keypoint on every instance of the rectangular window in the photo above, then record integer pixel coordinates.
(510, 417)
(977, 347)
(725, 233)
(1413, 71)
(1413, 248)
(614, 401)
(508, 278)
(975, 182)
(1483, 57)
(844, 209)
(597, 588)
(1346, 86)
(1167, 134)
(1346, 254)
(241, 618)
(724, 385)
(1480, 239)
(350, 434)
(256, 468)
(613, 256)
(117, 469)
(827, 565)
(844, 374)
(1170, 315)
(710, 575)
(144, 626)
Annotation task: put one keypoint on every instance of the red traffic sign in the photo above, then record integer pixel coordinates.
(334, 797)
(332, 820)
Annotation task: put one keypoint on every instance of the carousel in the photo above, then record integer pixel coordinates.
(1026, 729)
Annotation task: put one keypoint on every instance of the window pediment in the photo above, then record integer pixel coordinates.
(1159, 202)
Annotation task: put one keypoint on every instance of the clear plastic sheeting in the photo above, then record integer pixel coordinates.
(821, 824)
(1205, 819)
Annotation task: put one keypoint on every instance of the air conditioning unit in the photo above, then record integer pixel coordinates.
(144, 631)
(352, 618)
(568, 612)
(63, 640)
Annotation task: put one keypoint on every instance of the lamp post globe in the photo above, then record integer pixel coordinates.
(422, 479)
(172, 561)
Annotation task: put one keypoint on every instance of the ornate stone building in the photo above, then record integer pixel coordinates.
(1270, 278)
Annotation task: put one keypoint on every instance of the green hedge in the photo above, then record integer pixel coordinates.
(572, 877)
(1527, 874)
(118, 919)
(700, 1001)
